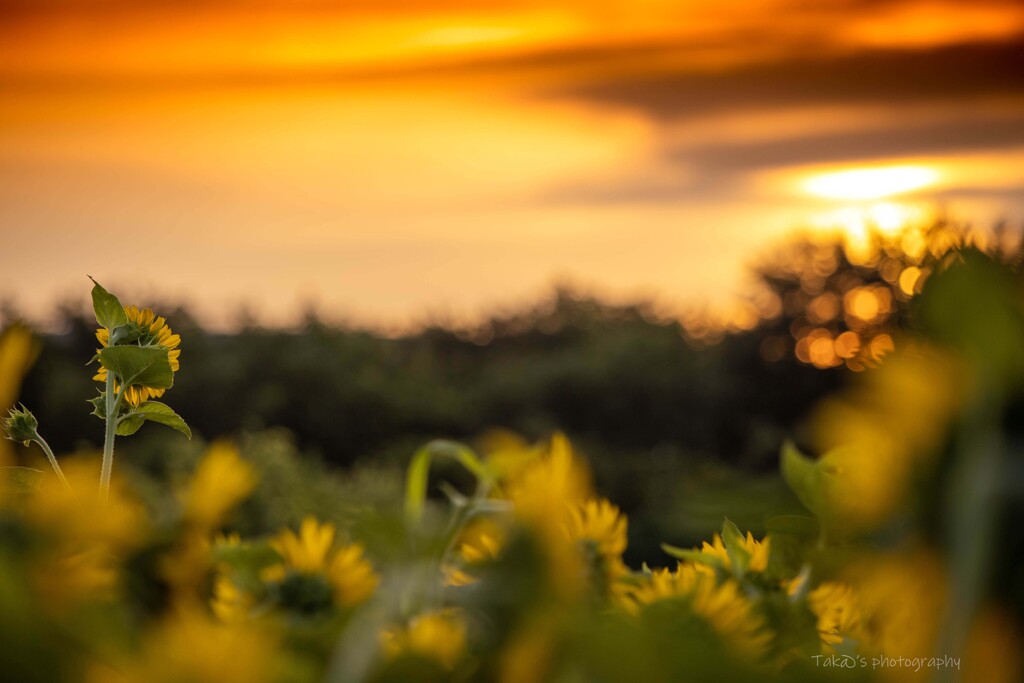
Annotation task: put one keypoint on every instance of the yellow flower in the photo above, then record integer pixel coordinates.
(598, 529)
(722, 605)
(479, 542)
(63, 577)
(156, 333)
(531, 650)
(835, 605)
(229, 602)
(541, 490)
(758, 551)
(18, 350)
(312, 553)
(222, 480)
(76, 514)
(190, 646)
(186, 565)
(543, 495)
(993, 652)
(439, 635)
(901, 597)
(601, 523)
(881, 433)
(86, 536)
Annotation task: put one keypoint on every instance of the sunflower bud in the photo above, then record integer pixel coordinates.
(20, 425)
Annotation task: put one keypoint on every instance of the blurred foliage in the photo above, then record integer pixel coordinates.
(617, 376)
(841, 301)
(897, 553)
(644, 396)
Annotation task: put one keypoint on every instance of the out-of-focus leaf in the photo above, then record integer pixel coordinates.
(21, 479)
(690, 555)
(739, 556)
(974, 307)
(419, 469)
(792, 537)
(253, 555)
(804, 478)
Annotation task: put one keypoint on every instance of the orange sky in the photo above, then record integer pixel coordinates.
(388, 160)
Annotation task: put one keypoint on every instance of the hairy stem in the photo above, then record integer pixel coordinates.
(53, 459)
(113, 404)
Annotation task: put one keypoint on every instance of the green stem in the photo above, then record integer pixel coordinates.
(113, 404)
(972, 508)
(53, 459)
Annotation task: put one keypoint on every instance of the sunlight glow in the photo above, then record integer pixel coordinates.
(870, 183)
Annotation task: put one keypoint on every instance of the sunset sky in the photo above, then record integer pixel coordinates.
(394, 159)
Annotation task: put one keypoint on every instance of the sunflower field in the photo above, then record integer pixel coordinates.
(504, 562)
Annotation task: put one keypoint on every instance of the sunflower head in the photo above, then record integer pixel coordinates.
(438, 635)
(143, 328)
(756, 550)
(315, 572)
(722, 605)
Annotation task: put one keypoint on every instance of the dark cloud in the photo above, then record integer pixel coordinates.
(948, 73)
(903, 139)
(946, 83)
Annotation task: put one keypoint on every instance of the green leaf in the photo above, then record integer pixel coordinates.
(419, 469)
(739, 556)
(22, 479)
(974, 306)
(804, 478)
(154, 411)
(254, 556)
(691, 555)
(133, 365)
(129, 424)
(793, 537)
(109, 311)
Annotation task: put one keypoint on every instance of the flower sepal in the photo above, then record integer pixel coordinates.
(129, 333)
(20, 425)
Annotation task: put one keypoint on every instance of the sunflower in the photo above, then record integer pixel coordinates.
(837, 609)
(439, 635)
(758, 551)
(723, 605)
(311, 561)
(155, 333)
(480, 542)
(599, 522)
(599, 530)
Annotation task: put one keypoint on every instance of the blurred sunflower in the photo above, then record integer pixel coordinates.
(154, 332)
(314, 573)
(222, 480)
(758, 551)
(722, 605)
(599, 529)
(836, 607)
(480, 542)
(190, 646)
(439, 635)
